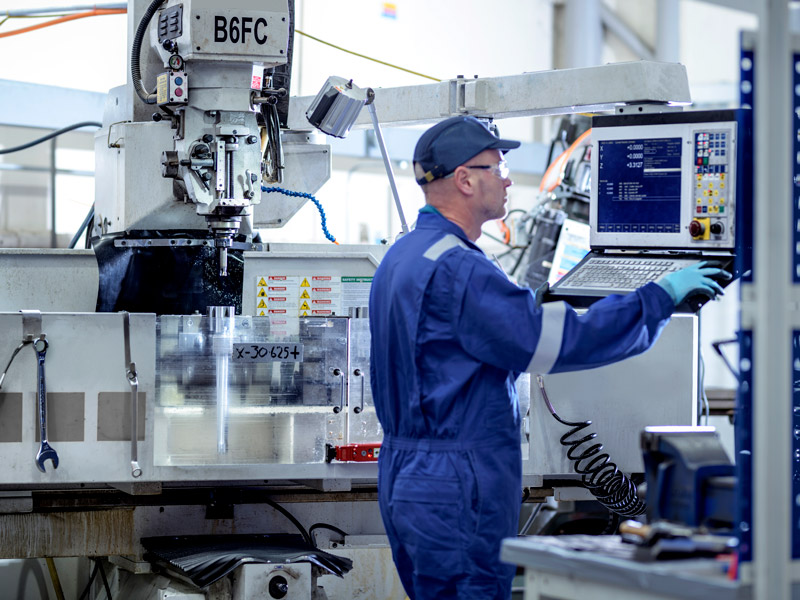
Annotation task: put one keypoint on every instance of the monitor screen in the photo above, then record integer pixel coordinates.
(639, 185)
(663, 181)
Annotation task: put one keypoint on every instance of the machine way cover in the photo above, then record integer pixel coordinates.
(166, 280)
(206, 558)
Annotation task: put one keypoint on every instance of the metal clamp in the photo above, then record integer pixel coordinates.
(339, 373)
(359, 373)
(133, 380)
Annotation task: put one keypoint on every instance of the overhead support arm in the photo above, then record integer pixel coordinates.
(589, 89)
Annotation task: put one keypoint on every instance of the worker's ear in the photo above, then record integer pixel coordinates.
(463, 181)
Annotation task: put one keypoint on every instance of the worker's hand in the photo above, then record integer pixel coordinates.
(697, 279)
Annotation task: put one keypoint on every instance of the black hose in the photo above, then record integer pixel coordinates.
(85, 593)
(83, 226)
(136, 49)
(105, 581)
(294, 521)
(51, 135)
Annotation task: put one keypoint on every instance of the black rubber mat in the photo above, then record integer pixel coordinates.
(204, 559)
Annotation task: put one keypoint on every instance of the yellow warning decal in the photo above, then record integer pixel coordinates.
(261, 313)
(305, 306)
(305, 283)
(262, 292)
(304, 314)
(262, 304)
(305, 294)
(261, 282)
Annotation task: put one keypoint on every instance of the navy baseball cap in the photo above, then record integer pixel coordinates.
(453, 142)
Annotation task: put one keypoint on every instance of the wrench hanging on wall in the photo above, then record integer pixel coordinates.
(133, 380)
(46, 452)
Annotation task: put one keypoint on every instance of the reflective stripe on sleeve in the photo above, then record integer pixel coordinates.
(442, 246)
(550, 338)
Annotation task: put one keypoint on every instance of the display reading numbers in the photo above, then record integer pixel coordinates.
(268, 352)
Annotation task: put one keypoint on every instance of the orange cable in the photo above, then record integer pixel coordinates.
(506, 231)
(560, 163)
(92, 13)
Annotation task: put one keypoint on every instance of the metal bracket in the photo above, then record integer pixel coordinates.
(31, 324)
(647, 107)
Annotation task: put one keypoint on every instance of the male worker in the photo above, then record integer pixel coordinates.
(450, 335)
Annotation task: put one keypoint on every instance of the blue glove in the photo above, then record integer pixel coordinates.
(696, 279)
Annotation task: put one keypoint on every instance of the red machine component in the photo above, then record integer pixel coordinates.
(353, 452)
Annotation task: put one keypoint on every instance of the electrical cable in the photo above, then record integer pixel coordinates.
(83, 226)
(85, 593)
(295, 522)
(64, 19)
(310, 197)
(610, 486)
(61, 10)
(273, 151)
(54, 579)
(555, 171)
(51, 135)
(316, 39)
(506, 232)
(13, 356)
(718, 349)
(491, 237)
(103, 576)
(529, 522)
(136, 49)
(703, 395)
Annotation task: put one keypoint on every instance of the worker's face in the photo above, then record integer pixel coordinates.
(491, 184)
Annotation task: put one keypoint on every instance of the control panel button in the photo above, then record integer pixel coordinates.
(696, 229)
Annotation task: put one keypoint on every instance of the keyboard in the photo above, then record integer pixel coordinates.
(614, 274)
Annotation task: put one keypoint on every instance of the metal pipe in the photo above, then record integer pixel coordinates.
(668, 36)
(220, 325)
(582, 20)
(768, 308)
(53, 236)
(386, 162)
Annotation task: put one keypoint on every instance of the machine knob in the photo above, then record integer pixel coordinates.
(278, 587)
(717, 228)
(208, 138)
(201, 151)
(696, 228)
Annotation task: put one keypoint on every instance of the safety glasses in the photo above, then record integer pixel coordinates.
(500, 169)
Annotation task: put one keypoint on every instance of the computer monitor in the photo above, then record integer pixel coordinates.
(664, 181)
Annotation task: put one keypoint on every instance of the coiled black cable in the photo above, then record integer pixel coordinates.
(601, 476)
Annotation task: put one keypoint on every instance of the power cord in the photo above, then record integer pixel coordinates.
(51, 135)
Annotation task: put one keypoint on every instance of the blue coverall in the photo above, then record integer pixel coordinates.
(450, 336)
